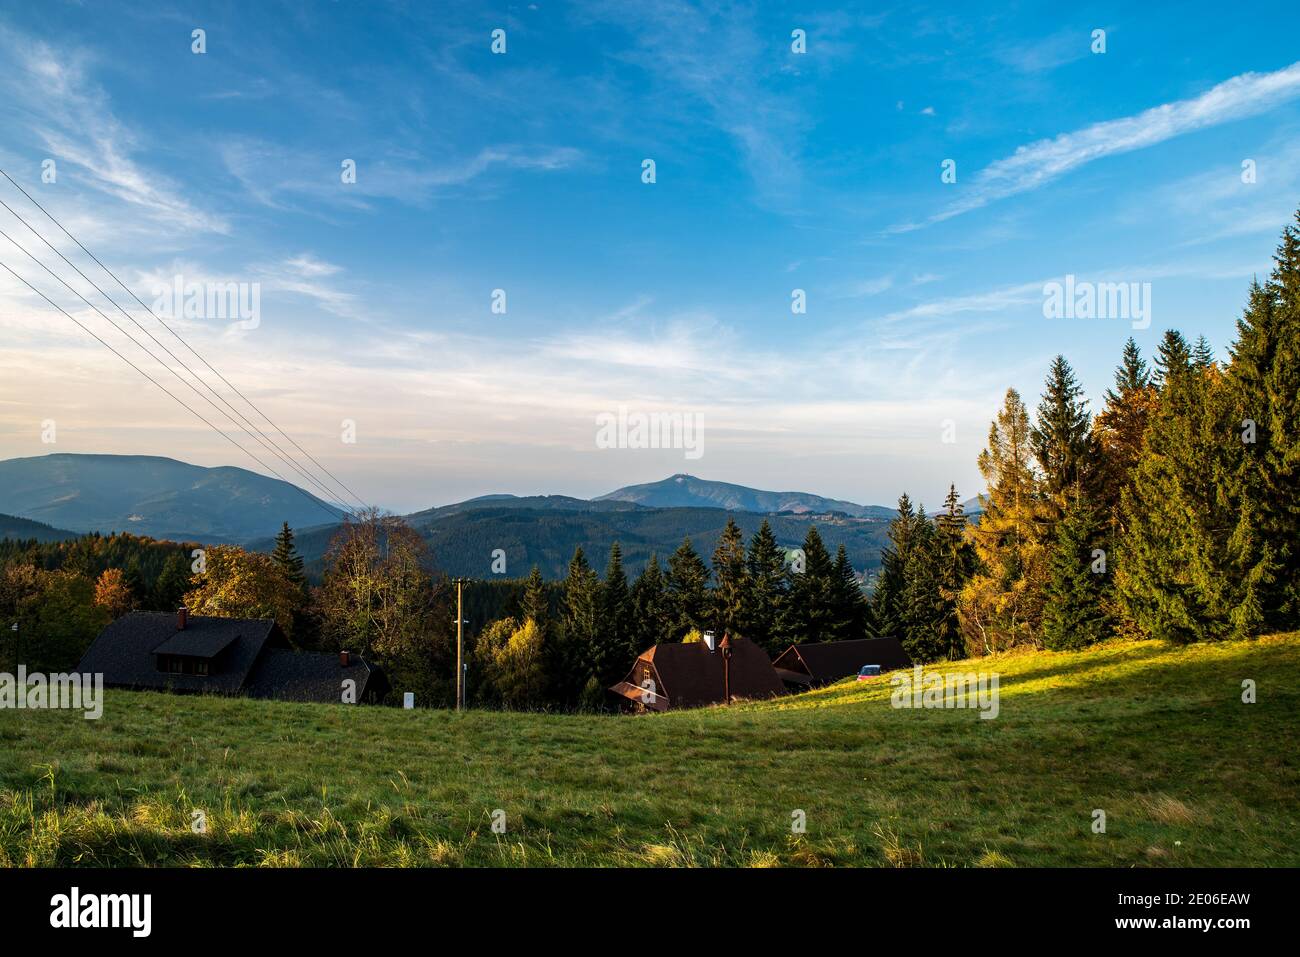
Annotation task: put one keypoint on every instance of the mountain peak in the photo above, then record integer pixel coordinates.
(688, 491)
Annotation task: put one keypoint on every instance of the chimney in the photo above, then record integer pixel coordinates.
(345, 659)
(182, 618)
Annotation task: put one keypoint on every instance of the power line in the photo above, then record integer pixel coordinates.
(247, 425)
(328, 493)
(198, 415)
(179, 338)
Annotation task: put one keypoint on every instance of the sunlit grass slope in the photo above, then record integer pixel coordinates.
(1156, 737)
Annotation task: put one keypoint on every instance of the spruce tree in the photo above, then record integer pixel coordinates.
(925, 612)
(613, 638)
(1176, 576)
(286, 556)
(1061, 439)
(849, 604)
(1263, 480)
(571, 654)
(1074, 614)
(1173, 356)
(957, 561)
(763, 608)
(650, 615)
(887, 598)
(1120, 428)
(729, 573)
(688, 591)
(810, 609)
(535, 605)
(1202, 353)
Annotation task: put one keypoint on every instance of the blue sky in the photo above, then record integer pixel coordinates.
(522, 172)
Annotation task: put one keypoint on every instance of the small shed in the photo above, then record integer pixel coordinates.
(677, 675)
(817, 663)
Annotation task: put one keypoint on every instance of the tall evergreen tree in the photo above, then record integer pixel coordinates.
(534, 605)
(957, 561)
(925, 612)
(887, 598)
(613, 639)
(1177, 577)
(1262, 482)
(650, 612)
(1074, 614)
(1061, 439)
(810, 609)
(763, 609)
(1120, 428)
(729, 573)
(688, 591)
(571, 653)
(286, 556)
(1173, 356)
(850, 606)
(1202, 353)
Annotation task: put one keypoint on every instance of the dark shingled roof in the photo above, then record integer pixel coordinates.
(198, 642)
(827, 661)
(246, 656)
(299, 676)
(125, 651)
(689, 675)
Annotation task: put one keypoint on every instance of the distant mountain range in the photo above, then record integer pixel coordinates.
(687, 491)
(155, 496)
(164, 498)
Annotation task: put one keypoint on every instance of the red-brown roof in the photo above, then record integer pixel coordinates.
(689, 675)
(826, 661)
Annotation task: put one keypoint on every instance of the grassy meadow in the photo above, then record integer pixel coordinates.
(1156, 736)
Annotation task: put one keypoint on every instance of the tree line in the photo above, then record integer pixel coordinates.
(1173, 513)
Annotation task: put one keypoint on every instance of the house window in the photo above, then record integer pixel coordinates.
(201, 666)
(174, 664)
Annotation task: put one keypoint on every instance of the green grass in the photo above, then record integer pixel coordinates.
(1157, 737)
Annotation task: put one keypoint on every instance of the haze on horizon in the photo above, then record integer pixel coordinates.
(522, 172)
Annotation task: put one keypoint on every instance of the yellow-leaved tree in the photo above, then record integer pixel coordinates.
(1002, 604)
(240, 584)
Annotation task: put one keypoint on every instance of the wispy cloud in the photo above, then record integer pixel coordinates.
(1043, 161)
(53, 101)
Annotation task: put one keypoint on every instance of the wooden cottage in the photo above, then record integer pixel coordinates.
(675, 675)
(813, 664)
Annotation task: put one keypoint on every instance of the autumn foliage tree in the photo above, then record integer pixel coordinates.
(1002, 604)
(240, 584)
(113, 594)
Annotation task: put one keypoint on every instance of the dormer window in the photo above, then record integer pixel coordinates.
(184, 665)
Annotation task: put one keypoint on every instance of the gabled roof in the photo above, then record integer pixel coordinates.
(305, 676)
(826, 661)
(124, 651)
(199, 642)
(689, 675)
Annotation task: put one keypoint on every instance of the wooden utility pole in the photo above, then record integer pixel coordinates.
(725, 648)
(460, 645)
